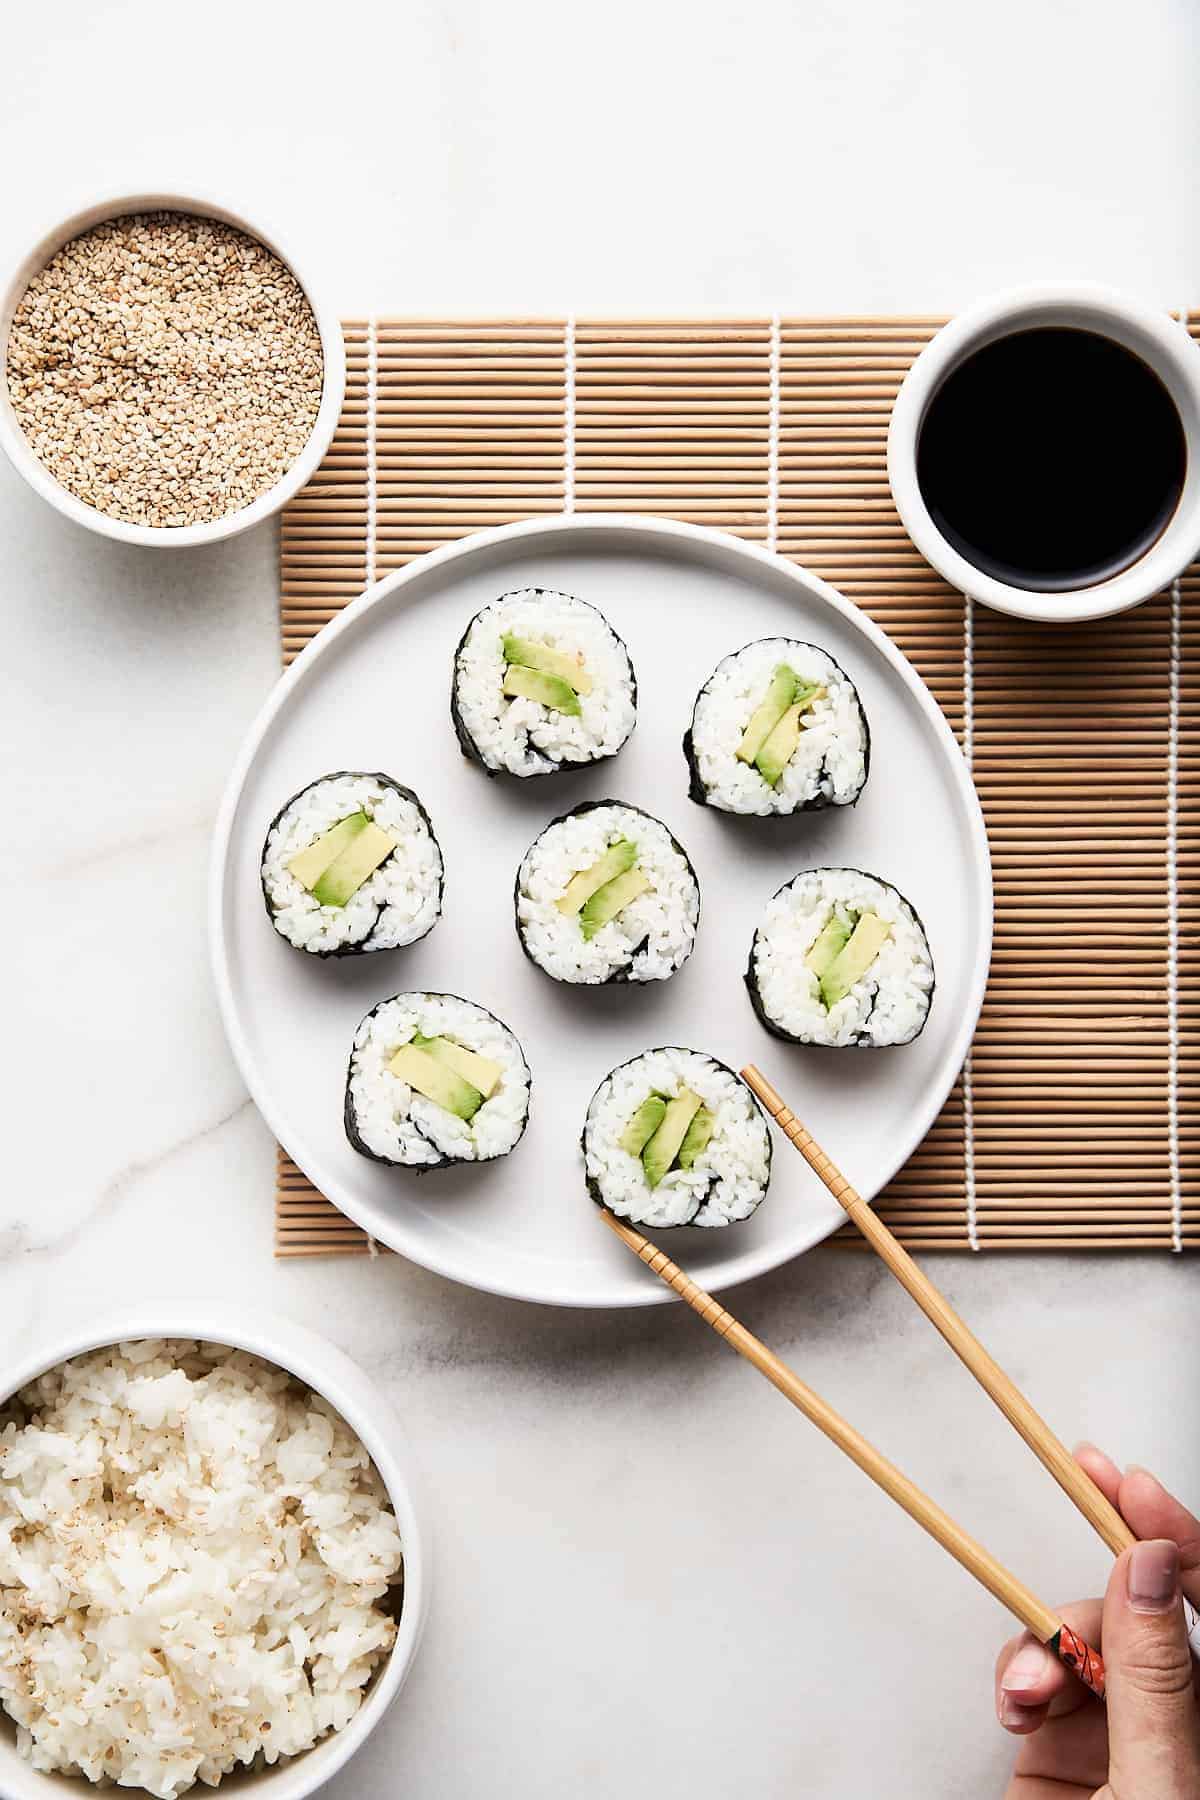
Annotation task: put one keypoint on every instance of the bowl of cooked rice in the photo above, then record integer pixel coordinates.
(211, 1567)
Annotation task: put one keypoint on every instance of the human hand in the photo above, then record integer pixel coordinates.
(1146, 1744)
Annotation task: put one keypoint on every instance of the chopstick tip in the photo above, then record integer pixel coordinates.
(758, 1084)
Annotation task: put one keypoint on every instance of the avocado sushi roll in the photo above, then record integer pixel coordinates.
(777, 728)
(675, 1138)
(434, 1081)
(841, 959)
(605, 894)
(351, 865)
(541, 683)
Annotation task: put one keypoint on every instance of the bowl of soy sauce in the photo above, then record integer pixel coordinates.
(1044, 452)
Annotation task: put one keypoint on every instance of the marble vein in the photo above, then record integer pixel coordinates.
(17, 1241)
(125, 848)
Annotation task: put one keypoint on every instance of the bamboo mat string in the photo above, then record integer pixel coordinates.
(968, 1075)
(371, 528)
(1173, 915)
(774, 358)
(372, 449)
(569, 415)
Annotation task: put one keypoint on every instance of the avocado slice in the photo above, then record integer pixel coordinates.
(696, 1137)
(830, 941)
(532, 655)
(309, 865)
(643, 1125)
(780, 694)
(780, 747)
(611, 899)
(356, 863)
(548, 690)
(776, 749)
(480, 1071)
(852, 962)
(437, 1082)
(662, 1149)
(616, 859)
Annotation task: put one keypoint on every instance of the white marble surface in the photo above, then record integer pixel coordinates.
(653, 1578)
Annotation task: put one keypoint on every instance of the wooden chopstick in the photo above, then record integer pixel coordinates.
(1071, 1478)
(1045, 1625)
(1074, 1480)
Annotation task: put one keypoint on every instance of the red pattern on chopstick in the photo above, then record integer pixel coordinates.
(1081, 1659)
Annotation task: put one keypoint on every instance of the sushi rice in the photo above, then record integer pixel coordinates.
(888, 1005)
(648, 940)
(388, 1120)
(830, 764)
(399, 903)
(729, 1177)
(521, 736)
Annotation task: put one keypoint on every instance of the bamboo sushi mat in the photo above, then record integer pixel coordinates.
(1075, 1123)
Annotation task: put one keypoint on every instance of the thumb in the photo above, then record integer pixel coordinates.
(1154, 1728)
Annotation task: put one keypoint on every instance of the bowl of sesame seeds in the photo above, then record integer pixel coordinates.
(170, 378)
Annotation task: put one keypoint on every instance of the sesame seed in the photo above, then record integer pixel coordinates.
(165, 368)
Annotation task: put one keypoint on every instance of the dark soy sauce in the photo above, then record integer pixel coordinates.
(1052, 458)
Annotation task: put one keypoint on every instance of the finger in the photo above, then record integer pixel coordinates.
(1028, 1678)
(1147, 1508)
(1069, 1750)
(1154, 1513)
(1037, 1787)
(1102, 1469)
(1154, 1728)
(1066, 1742)
(1150, 1512)
(1032, 1685)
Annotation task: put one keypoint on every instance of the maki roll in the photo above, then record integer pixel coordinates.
(605, 894)
(777, 728)
(541, 683)
(433, 1081)
(350, 865)
(841, 958)
(674, 1138)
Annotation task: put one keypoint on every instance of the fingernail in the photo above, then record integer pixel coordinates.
(1013, 1715)
(1153, 1578)
(1027, 1670)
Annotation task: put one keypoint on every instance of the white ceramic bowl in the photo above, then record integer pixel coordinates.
(1156, 338)
(325, 1369)
(16, 446)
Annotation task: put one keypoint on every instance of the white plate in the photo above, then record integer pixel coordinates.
(372, 693)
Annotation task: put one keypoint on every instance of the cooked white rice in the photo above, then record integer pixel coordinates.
(193, 1547)
(398, 1125)
(648, 940)
(522, 737)
(729, 1177)
(829, 766)
(396, 905)
(888, 1005)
